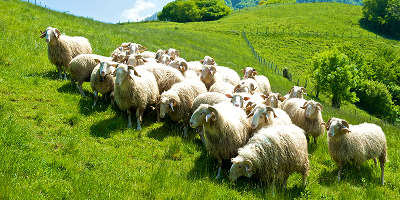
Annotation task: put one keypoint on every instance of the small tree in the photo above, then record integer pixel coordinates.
(333, 74)
(384, 14)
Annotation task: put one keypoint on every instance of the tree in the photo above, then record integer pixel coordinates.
(384, 14)
(333, 74)
(194, 10)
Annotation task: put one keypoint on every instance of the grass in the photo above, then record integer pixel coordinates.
(54, 146)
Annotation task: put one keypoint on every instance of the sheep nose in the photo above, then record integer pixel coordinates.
(236, 105)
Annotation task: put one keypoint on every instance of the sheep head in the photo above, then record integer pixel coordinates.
(173, 53)
(179, 64)
(165, 59)
(245, 86)
(106, 68)
(168, 103)
(208, 61)
(249, 72)
(136, 60)
(312, 109)
(262, 113)
(238, 100)
(240, 167)
(272, 99)
(336, 126)
(198, 117)
(207, 74)
(51, 34)
(159, 53)
(297, 92)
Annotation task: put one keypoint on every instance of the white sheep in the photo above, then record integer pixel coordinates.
(177, 102)
(133, 48)
(272, 155)
(248, 86)
(221, 87)
(211, 74)
(307, 115)
(207, 60)
(173, 53)
(81, 68)
(148, 54)
(263, 84)
(102, 79)
(119, 55)
(275, 100)
(189, 70)
(225, 130)
(135, 89)
(266, 116)
(296, 92)
(356, 144)
(62, 48)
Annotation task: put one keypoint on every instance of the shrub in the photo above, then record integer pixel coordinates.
(194, 10)
(375, 98)
(384, 14)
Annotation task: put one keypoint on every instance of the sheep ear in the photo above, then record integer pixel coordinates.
(305, 105)
(265, 96)
(171, 105)
(97, 60)
(177, 53)
(243, 71)
(183, 67)
(236, 88)
(212, 61)
(246, 98)
(291, 89)
(202, 61)
(281, 98)
(269, 108)
(328, 124)
(212, 115)
(320, 106)
(253, 87)
(228, 95)
(213, 70)
(57, 33)
(248, 167)
(345, 123)
(42, 34)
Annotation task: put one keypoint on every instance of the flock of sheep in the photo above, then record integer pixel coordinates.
(263, 133)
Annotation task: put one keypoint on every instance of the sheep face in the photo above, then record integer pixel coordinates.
(179, 64)
(312, 109)
(240, 167)
(119, 55)
(207, 74)
(106, 68)
(272, 99)
(51, 34)
(198, 117)
(261, 114)
(249, 72)
(207, 61)
(237, 100)
(245, 86)
(337, 127)
(173, 52)
(165, 59)
(123, 72)
(136, 60)
(167, 105)
(133, 48)
(297, 92)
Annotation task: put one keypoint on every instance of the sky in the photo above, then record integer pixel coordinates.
(109, 11)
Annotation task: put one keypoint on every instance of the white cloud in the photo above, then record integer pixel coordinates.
(139, 11)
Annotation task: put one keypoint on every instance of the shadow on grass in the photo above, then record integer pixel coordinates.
(365, 24)
(104, 128)
(351, 175)
(169, 129)
(51, 75)
(71, 89)
(86, 105)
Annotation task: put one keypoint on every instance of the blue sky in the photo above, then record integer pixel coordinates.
(107, 10)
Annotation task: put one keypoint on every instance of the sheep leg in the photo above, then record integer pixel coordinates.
(139, 114)
(129, 118)
(185, 130)
(202, 133)
(219, 169)
(339, 172)
(80, 89)
(59, 72)
(285, 183)
(96, 95)
(65, 73)
(382, 160)
(308, 139)
(375, 162)
(304, 179)
(315, 140)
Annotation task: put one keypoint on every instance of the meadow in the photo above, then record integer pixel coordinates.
(53, 145)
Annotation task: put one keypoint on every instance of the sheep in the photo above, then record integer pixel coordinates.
(189, 70)
(177, 102)
(119, 55)
(165, 76)
(165, 59)
(239, 99)
(148, 54)
(263, 84)
(307, 115)
(81, 68)
(208, 61)
(135, 88)
(356, 144)
(62, 48)
(159, 53)
(173, 53)
(225, 130)
(133, 48)
(221, 87)
(102, 79)
(296, 92)
(266, 116)
(275, 100)
(248, 86)
(273, 154)
(210, 74)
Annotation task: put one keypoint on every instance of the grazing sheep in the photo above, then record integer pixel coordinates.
(221, 87)
(102, 79)
(165, 76)
(81, 68)
(263, 84)
(296, 92)
(225, 130)
(356, 144)
(274, 100)
(272, 155)
(135, 88)
(62, 48)
(177, 102)
(265, 116)
(210, 74)
(307, 115)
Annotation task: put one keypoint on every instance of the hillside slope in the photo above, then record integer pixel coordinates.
(53, 145)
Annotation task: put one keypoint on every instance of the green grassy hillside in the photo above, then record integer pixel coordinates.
(54, 146)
